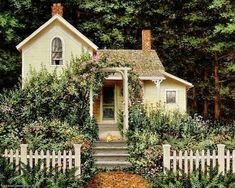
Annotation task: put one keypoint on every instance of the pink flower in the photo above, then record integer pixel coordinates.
(93, 69)
(96, 57)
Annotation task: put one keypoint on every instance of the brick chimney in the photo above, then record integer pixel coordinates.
(57, 9)
(146, 40)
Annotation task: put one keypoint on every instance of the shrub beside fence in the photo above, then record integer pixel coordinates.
(60, 160)
(189, 161)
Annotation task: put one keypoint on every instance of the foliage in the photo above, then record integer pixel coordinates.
(44, 134)
(6, 170)
(196, 180)
(150, 128)
(9, 36)
(200, 34)
(9, 69)
(37, 177)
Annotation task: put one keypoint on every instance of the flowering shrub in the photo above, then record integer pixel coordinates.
(149, 129)
(47, 100)
(52, 112)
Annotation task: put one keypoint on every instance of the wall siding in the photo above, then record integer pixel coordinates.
(151, 97)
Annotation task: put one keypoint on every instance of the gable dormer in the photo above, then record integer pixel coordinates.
(53, 44)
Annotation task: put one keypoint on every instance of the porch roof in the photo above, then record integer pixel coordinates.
(146, 64)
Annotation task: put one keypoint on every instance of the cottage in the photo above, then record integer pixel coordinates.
(55, 42)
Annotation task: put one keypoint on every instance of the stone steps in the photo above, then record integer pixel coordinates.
(111, 154)
(105, 129)
(112, 164)
(111, 144)
(111, 157)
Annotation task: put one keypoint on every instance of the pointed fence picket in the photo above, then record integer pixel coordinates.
(188, 161)
(60, 160)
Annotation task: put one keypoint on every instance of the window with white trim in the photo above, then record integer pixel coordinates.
(170, 96)
(56, 51)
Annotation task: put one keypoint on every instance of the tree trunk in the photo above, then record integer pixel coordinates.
(217, 89)
(205, 103)
(194, 105)
(205, 108)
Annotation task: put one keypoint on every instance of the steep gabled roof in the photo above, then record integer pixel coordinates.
(66, 24)
(146, 64)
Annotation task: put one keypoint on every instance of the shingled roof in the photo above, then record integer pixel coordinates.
(144, 63)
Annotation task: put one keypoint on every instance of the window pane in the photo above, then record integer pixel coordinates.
(57, 62)
(108, 95)
(108, 113)
(57, 51)
(108, 103)
(56, 45)
(171, 97)
(57, 55)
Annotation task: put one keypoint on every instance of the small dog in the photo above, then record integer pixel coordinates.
(110, 138)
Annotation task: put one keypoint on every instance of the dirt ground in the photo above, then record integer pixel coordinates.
(117, 180)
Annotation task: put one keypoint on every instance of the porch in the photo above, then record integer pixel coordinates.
(111, 105)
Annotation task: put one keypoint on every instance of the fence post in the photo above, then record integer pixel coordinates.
(23, 153)
(77, 150)
(166, 157)
(221, 157)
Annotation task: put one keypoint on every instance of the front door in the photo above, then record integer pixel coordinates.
(108, 105)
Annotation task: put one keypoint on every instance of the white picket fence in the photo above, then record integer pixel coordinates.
(58, 160)
(189, 161)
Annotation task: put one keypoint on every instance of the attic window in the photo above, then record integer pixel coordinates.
(56, 51)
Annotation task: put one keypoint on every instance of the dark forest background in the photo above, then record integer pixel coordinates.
(195, 40)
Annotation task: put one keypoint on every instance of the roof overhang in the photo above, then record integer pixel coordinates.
(188, 84)
(117, 76)
(66, 24)
(152, 78)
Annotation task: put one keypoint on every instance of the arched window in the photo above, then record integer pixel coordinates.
(56, 51)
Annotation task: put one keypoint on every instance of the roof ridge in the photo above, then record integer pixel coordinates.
(65, 23)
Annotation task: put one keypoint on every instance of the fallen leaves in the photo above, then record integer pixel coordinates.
(117, 179)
